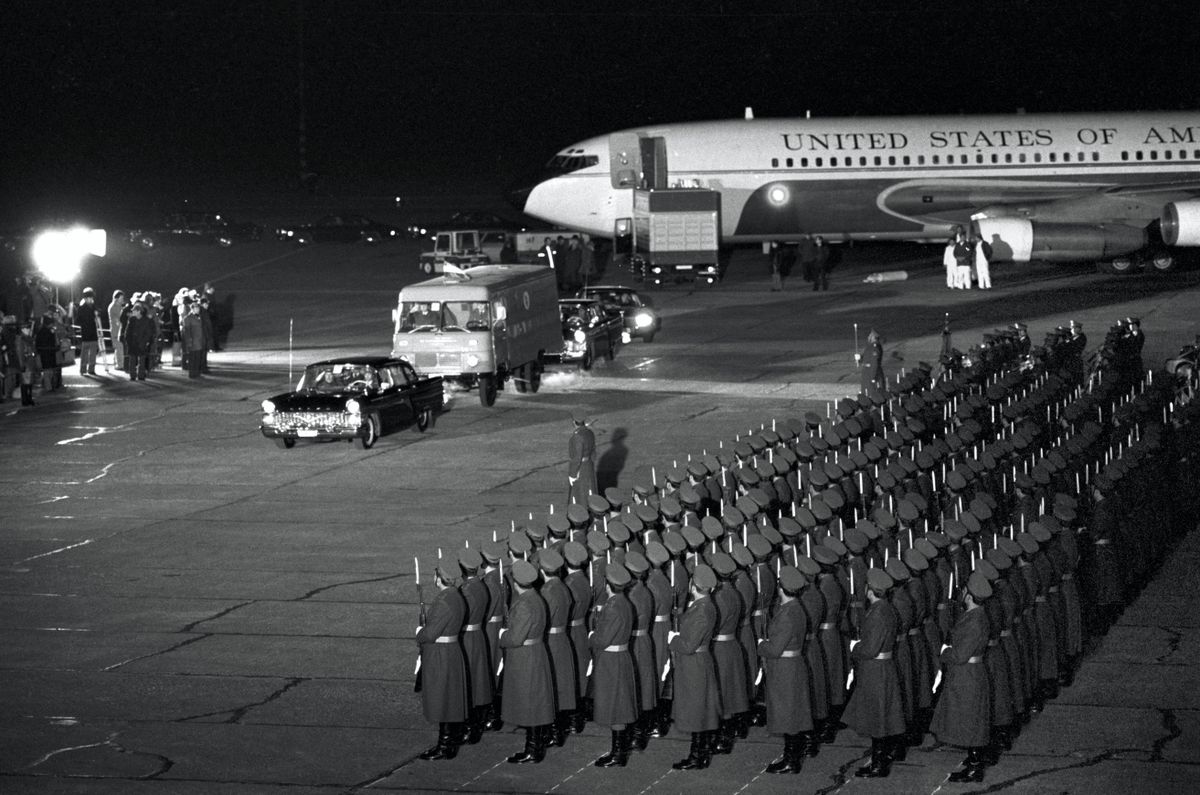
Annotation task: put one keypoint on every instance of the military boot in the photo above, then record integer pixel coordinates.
(724, 738)
(880, 765)
(972, 769)
(444, 749)
(618, 754)
(662, 722)
(494, 722)
(782, 764)
(695, 758)
(535, 749)
(641, 730)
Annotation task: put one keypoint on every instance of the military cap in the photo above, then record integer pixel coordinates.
(914, 559)
(550, 561)
(519, 543)
(859, 459)
(1066, 500)
(1041, 475)
(787, 454)
(759, 496)
(1040, 532)
(886, 480)
(692, 535)
(804, 450)
(926, 547)
(879, 581)
(833, 471)
(980, 510)
(676, 475)
(987, 569)
(742, 556)
(790, 528)
(937, 540)
(1102, 482)
(598, 542)
(812, 419)
(925, 460)
(731, 517)
(669, 507)
(1064, 514)
(697, 468)
(743, 450)
(979, 587)
(1028, 543)
(807, 566)
(493, 551)
(999, 559)
(704, 578)
(884, 519)
(869, 529)
(637, 563)
(598, 505)
(688, 495)
(896, 570)
(908, 512)
(446, 574)
(773, 536)
(955, 529)
(575, 553)
(642, 486)
(618, 532)
(824, 555)
(722, 563)
(856, 541)
(835, 545)
(759, 547)
(872, 451)
(955, 480)
(646, 513)
(711, 527)
(817, 477)
(656, 554)
(615, 498)
(675, 542)
(469, 558)
(820, 509)
(832, 498)
(617, 576)
(536, 533)
(1009, 547)
(524, 573)
(971, 522)
(746, 476)
(747, 507)
(560, 524)
(791, 580)
(819, 443)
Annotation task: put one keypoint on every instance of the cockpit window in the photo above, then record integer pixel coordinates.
(565, 164)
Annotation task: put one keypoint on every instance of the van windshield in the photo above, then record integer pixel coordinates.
(420, 316)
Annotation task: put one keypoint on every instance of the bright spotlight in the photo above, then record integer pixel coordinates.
(778, 194)
(59, 253)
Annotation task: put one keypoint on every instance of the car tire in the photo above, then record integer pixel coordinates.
(368, 441)
(487, 390)
(427, 267)
(535, 375)
(586, 362)
(424, 418)
(284, 443)
(521, 379)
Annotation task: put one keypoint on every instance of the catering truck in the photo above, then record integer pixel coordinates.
(480, 328)
(676, 234)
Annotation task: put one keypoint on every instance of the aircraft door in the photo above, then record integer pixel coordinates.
(654, 162)
(625, 159)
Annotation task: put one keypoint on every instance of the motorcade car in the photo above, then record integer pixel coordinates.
(195, 226)
(344, 228)
(640, 318)
(463, 248)
(354, 398)
(589, 330)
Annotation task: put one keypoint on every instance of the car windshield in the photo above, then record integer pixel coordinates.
(417, 316)
(337, 377)
(618, 297)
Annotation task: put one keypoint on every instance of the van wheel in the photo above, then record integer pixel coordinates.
(487, 390)
(424, 417)
(367, 440)
(534, 371)
(586, 362)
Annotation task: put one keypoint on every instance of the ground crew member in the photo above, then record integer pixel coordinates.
(614, 681)
(962, 715)
(821, 264)
(474, 642)
(581, 464)
(558, 643)
(528, 679)
(875, 708)
(786, 675)
(443, 670)
(695, 674)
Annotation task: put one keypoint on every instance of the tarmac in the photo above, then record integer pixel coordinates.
(188, 609)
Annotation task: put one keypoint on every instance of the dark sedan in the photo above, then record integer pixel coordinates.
(195, 226)
(354, 398)
(339, 229)
(640, 318)
(589, 330)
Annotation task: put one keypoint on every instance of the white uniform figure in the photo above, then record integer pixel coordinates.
(983, 273)
(948, 261)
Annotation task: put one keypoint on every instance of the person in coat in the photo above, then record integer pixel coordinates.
(443, 670)
(576, 556)
(194, 342)
(642, 648)
(614, 680)
(528, 679)
(474, 643)
(821, 264)
(497, 589)
(727, 653)
(786, 674)
(695, 674)
(814, 606)
(581, 464)
(30, 362)
(139, 336)
(875, 708)
(829, 635)
(91, 326)
(116, 309)
(963, 712)
(660, 589)
(558, 643)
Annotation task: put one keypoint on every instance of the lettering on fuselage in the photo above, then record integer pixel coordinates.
(978, 139)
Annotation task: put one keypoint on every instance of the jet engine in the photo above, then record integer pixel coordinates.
(1181, 223)
(1020, 240)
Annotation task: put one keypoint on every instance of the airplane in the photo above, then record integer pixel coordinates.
(1118, 189)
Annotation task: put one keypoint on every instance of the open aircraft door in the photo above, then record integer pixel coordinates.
(635, 161)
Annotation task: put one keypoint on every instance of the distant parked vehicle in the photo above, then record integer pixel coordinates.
(195, 226)
(339, 229)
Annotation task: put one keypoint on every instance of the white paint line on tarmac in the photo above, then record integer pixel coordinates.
(56, 551)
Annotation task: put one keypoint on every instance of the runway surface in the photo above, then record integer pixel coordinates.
(188, 609)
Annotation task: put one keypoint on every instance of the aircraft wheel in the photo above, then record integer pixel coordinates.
(1119, 266)
(367, 441)
(1163, 262)
(487, 390)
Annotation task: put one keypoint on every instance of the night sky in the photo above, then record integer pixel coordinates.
(143, 96)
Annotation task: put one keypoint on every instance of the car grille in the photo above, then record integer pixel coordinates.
(316, 420)
(435, 360)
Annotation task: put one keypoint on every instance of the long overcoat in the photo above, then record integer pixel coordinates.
(528, 680)
(443, 670)
(814, 605)
(614, 686)
(727, 651)
(581, 606)
(829, 634)
(581, 464)
(785, 671)
(962, 715)
(474, 642)
(875, 707)
(698, 708)
(642, 647)
(558, 642)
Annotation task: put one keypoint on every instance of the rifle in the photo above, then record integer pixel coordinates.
(419, 672)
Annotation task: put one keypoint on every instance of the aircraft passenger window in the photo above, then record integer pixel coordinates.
(774, 162)
(818, 162)
(1037, 157)
(1021, 157)
(920, 160)
(862, 161)
(1095, 155)
(1183, 154)
(1053, 157)
(804, 162)
(878, 160)
(789, 162)
(1137, 155)
(978, 158)
(906, 160)
(1008, 157)
(1153, 154)
(1167, 154)
(891, 160)
(833, 161)
(995, 157)
(1124, 155)
(935, 160)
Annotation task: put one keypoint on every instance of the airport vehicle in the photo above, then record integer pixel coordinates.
(588, 330)
(345, 228)
(639, 317)
(1121, 189)
(480, 327)
(355, 398)
(463, 219)
(676, 235)
(464, 248)
(195, 226)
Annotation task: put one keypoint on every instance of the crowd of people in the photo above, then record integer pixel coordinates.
(966, 259)
(930, 557)
(39, 337)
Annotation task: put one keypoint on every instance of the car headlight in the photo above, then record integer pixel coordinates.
(268, 407)
(656, 269)
(643, 320)
(472, 360)
(353, 406)
(580, 335)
